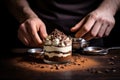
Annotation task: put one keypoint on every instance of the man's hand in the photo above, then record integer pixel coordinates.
(32, 31)
(96, 24)
(99, 22)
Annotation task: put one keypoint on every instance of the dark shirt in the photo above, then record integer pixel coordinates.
(63, 14)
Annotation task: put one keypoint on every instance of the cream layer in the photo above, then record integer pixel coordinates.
(50, 55)
(64, 49)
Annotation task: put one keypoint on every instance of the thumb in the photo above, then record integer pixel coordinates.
(43, 32)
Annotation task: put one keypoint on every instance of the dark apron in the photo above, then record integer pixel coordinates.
(64, 14)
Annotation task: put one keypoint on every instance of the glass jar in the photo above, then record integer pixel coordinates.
(78, 44)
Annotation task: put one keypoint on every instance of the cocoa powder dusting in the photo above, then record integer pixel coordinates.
(77, 62)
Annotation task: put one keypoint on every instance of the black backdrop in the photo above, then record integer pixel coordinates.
(114, 38)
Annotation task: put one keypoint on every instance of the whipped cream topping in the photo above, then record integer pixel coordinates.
(58, 38)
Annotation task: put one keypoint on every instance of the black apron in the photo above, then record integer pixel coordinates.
(64, 14)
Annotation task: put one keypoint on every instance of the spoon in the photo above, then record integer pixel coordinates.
(78, 43)
(36, 51)
(97, 50)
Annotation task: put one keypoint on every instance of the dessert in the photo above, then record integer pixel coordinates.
(57, 47)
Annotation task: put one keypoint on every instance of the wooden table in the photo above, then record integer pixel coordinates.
(109, 70)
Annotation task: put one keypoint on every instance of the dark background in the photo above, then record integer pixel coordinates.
(114, 38)
(9, 26)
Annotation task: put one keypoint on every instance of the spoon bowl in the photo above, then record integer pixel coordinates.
(95, 50)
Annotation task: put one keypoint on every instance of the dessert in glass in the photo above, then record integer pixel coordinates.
(57, 47)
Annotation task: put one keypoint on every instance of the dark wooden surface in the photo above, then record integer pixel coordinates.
(108, 70)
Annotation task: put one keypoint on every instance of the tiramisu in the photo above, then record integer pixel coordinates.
(57, 47)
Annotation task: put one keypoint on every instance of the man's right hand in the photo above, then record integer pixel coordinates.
(32, 32)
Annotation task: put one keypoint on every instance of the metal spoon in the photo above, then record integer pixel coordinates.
(36, 51)
(97, 50)
(78, 43)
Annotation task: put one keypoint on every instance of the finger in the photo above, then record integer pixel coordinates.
(102, 30)
(34, 34)
(86, 27)
(23, 40)
(93, 32)
(23, 35)
(77, 26)
(42, 31)
(108, 30)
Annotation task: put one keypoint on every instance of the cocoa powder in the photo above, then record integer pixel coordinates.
(77, 62)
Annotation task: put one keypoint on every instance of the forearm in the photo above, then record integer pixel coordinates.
(20, 9)
(111, 6)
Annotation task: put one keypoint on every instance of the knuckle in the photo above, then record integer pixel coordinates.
(93, 15)
(106, 34)
(21, 26)
(85, 28)
(99, 35)
(29, 22)
(112, 22)
(92, 34)
(102, 20)
(33, 34)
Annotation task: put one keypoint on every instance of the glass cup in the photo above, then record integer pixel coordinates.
(78, 44)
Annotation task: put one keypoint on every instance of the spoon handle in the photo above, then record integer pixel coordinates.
(113, 48)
